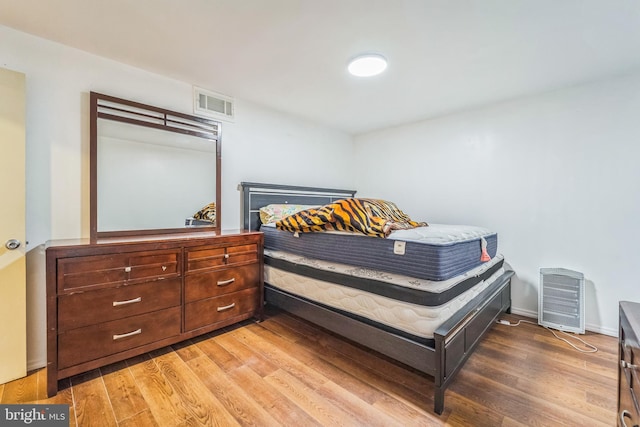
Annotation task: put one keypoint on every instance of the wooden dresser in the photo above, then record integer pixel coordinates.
(629, 352)
(122, 297)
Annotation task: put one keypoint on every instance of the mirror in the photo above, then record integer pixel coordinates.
(151, 169)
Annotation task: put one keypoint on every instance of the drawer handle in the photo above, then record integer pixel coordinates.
(128, 334)
(226, 282)
(227, 307)
(164, 268)
(131, 301)
(127, 269)
(624, 414)
(226, 256)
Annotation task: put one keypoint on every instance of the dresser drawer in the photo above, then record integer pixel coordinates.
(103, 305)
(212, 310)
(219, 282)
(89, 271)
(92, 342)
(208, 258)
(628, 404)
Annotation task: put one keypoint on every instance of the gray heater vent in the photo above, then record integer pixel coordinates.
(561, 300)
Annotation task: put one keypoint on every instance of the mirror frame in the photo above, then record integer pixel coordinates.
(117, 109)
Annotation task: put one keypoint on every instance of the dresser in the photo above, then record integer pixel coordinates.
(629, 353)
(121, 297)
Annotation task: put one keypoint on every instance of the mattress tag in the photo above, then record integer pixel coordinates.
(398, 247)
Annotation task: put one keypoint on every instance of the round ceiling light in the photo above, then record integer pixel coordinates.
(367, 65)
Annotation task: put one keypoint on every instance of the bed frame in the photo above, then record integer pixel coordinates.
(454, 340)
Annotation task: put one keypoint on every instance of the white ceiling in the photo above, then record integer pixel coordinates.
(444, 55)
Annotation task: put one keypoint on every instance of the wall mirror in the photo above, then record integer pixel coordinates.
(151, 169)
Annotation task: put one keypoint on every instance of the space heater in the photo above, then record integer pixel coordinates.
(561, 300)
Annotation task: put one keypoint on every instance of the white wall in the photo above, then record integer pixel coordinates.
(58, 82)
(555, 175)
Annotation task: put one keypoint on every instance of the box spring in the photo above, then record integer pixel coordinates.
(412, 320)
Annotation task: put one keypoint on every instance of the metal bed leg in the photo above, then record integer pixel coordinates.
(438, 399)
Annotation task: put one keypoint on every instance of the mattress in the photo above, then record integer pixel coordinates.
(396, 286)
(414, 321)
(436, 252)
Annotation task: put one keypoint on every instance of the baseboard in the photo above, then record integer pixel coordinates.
(525, 313)
(592, 328)
(601, 330)
(33, 365)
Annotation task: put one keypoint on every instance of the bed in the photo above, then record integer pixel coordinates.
(306, 285)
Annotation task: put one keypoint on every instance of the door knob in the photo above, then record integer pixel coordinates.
(12, 244)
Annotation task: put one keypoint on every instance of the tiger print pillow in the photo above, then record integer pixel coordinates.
(207, 213)
(371, 217)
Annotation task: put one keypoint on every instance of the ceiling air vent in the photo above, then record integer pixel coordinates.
(211, 104)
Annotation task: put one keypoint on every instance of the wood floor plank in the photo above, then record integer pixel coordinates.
(510, 422)
(372, 380)
(187, 350)
(605, 400)
(322, 359)
(606, 370)
(342, 398)
(305, 397)
(91, 402)
(560, 365)
(483, 366)
(239, 404)
(535, 337)
(541, 377)
(22, 390)
(563, 393)
(124, 394)
(293, 328)
(219, 354)
(279, 407)
(41, 375)
(279, 354)
(470, 413)
(63, 397)
(574, 378)
(141, 419)
(358, 363)
(560, 373)
(409, 415)
(203, 406)
(190, 352)
(412, 388)
(355, 355)
(568, 398)
(555, 339)
(519, 405)
(242, 352)
(166, 406)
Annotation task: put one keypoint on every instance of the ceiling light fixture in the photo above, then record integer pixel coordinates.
(367, 65)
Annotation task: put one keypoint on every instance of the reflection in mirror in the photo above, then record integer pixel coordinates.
(150, 178)
(152, 170)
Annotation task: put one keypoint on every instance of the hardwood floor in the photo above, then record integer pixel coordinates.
(285, 371)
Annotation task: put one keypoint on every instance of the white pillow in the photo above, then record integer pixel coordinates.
(275, 212)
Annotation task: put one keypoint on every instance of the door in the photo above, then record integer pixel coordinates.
(13, 318)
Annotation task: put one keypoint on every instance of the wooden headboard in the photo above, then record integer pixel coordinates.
(256, 195)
